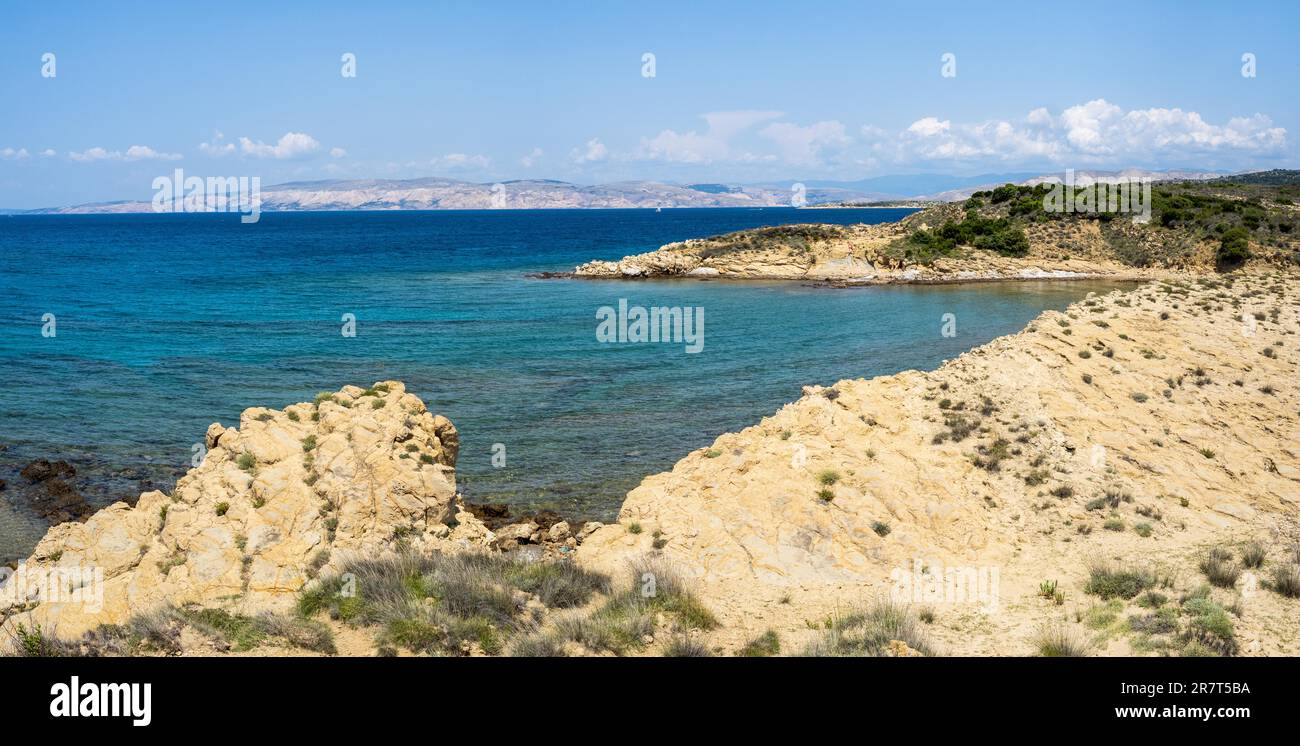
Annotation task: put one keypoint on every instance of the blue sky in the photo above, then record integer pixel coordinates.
(742, 92)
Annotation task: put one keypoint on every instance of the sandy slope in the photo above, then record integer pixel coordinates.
(745, 519)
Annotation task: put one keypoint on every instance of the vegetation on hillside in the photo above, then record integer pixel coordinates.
(158, 632)
(1275, 177)
(448, 604)
(796, 238)
(1232, 215)
(999, 235)
(1191, 224)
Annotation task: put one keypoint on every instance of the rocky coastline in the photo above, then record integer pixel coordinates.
(1143, 426)
(1119, 478)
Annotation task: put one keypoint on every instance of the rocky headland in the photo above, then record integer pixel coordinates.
(1005, 234)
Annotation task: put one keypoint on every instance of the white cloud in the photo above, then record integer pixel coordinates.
(532, 158)
(1094, 133)
(595, 151)
(291, 145)
(146, 153)
(9, 154)
(133, 153)
(95, 154)
(338, 152)
(815, 144)
(929, 127)
(48, 153)
(216, 147)
(727, 124)
(714, 144)
(460, 162)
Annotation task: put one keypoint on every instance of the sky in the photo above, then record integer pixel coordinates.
(737, 92)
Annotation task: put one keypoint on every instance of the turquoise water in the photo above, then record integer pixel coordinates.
(166, 323)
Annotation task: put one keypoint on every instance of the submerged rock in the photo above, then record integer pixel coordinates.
(48, 493)
(42, 469)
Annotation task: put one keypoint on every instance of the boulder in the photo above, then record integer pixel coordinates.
(521, 532)
(558, 532)
(589, 528)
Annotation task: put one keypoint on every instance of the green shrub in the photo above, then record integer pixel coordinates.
(1253, 554)
(869, 632)
(686, 646)
(1234, 247)
(159, 631)
(1117, 582)
(763, 646)
(439, 603)
(1209, 626)
(1060, 641)
(1286, 580)
(1162, 622)
(1152, 600)
(623, 621)
(1219, 568)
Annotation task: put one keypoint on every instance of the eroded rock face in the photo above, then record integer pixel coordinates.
(287, 494)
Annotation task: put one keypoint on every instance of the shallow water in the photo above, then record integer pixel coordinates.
(166, 323)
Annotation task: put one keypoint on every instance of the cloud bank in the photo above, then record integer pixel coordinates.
(1093, 134)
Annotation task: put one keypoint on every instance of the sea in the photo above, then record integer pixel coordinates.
(124, 336)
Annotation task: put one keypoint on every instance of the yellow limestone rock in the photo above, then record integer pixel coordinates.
(248, 526)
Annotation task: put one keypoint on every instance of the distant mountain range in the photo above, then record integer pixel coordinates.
(450, 194)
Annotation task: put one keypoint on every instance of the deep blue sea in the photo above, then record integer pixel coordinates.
(166, 323)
